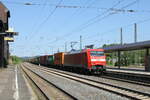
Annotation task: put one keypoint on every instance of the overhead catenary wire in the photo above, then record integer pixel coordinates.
(37, 17)
(47, 4)
(107, 32)
(111, 13)
(120, 1)
(70, 33)
(47, 18)
(142, 21)
(107, 9)
(77, 11)
(53, 11)
(107, 16)
(88, 24)
(98, 20)
(26, 3)
(75, 6)
(88, 5)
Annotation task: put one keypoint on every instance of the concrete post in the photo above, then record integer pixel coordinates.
(65, 46)
(147, 60)
(135, 32)
(80, 43)
(119, 60)
(121, 36)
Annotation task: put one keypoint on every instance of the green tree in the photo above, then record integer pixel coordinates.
(16, 60)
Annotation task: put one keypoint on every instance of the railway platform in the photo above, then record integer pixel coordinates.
(133, 74)
(127, 70)
(14, 86)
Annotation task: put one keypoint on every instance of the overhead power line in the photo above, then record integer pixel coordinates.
(82, 24)
(38, 17)
(47, 18)
(70, 33)
(76, 6)
(106, 32)
(93, 20)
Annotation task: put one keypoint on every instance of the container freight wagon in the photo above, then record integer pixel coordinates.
(92, 60)
(59, 59)
(50, 60)
(36, 60)
(46, 60)
(42, 60)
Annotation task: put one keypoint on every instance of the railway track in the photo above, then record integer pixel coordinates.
(49, 91)
(141, 78)
(129, 93)
(112, 78)
(120, 77)
(126, 80)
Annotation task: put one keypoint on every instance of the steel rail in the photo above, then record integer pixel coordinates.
(126, 80)
(109, 77)
(48, 98)
(39, 89)
(133, 94)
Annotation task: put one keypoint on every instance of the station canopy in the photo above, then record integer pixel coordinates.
(126, 47)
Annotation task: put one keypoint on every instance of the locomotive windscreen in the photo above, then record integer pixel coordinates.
(97, 53)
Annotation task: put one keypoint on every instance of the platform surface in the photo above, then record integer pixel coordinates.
(128, 70)
(14, 86)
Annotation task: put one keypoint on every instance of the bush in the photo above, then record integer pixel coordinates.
(16, 60)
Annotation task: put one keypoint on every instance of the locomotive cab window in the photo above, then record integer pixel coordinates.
(97, 53)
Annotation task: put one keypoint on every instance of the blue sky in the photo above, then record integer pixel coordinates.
(43, 32)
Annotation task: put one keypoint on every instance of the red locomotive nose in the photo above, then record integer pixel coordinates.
(98, 60)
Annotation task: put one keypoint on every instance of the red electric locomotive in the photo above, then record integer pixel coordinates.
(92, 60)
